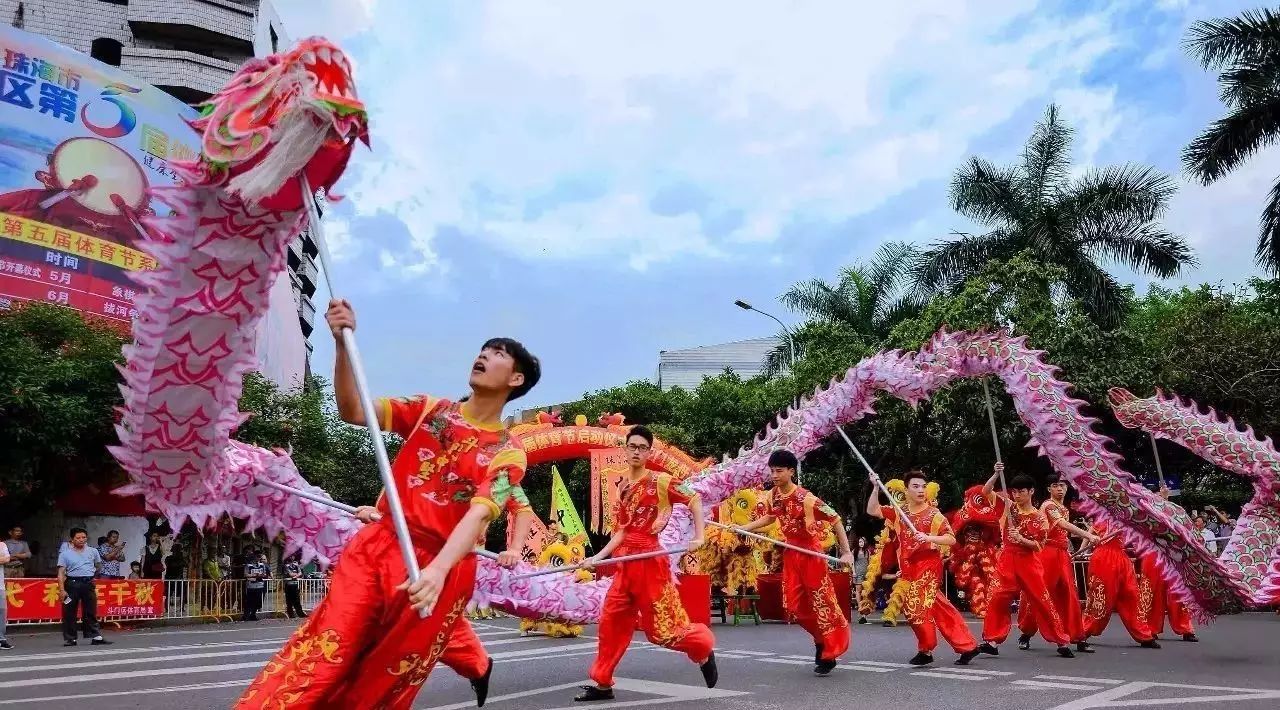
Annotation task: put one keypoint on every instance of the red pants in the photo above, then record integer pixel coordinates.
(809, 596)
(1155, 600)
(1021, 572)
(464, 654)
(1112, 586)
(1060, 578)
(644, 593)
(364, 646)
(929, 612)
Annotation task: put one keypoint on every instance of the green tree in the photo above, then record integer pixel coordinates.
(1109, 214)
(1246, 50)
(58, 388)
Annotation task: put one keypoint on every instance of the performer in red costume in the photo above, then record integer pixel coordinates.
(920, 562)
(1059, 574)
(1112, 586)
(1155, 599)
(366, 646)
(644, 591)
(807, 592)
(1025, 532)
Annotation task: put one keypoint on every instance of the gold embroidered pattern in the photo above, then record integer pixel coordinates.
(412, 669)
(1146, 596)
(1096, 599)
(670, 620)
(297, 661)
(920, 598)
(825, 608)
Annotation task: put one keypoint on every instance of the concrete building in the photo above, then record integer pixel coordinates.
(187, 48)
(687, 368)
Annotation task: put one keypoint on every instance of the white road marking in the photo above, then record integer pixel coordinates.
(973, 671)
(1111, 696)
(859, 666)
(726, 654)
(543, 658)
(1049, 684)
(95, 663)
(545, 649)
(950, 676)
(137, 691)
(1081, 679)
(884, 663)
(245, 628)
(669, 692)
(128, 674)
(98, 653)
(752, 653)
(787, 661)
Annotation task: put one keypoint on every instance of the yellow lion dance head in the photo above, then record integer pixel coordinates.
(562, 551)
(898, 490)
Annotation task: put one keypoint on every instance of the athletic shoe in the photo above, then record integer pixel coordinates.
(1084, 647)
(1191, 637)
(1024, 642)
(590, 693)
(1065, 652)
(710, 673)
(988, 648)
(824, 668)
(481, 685)
(921, 659)
(966, 657)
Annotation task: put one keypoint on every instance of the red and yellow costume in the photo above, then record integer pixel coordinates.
(1059, 578)
(1155, 600)
(643, 592)
(807, 592)
(1021, 571)
(1113, 586)
(927, 611)
(464, 654)
(364, 646)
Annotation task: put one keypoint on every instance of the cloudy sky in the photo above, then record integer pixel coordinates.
(602, 179)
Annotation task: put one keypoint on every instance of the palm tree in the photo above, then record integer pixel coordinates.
(867, 300)
(1108, 214)
(1247, 51)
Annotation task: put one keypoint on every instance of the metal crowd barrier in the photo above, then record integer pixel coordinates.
(219, 600)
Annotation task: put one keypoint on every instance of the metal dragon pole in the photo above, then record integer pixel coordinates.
(366, 400)
(602, 563)
(902, 514)
(779, 543)
(1156, 452)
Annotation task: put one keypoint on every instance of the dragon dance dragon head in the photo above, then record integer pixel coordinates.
(281, 117)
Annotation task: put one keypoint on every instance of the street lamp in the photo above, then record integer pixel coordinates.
(791, 345)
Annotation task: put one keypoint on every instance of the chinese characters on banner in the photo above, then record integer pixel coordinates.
(609, 470)
(40, 600)
(80, 145)
(533, 544)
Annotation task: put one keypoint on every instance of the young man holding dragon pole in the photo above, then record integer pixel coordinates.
(1059, 573)
(1113, 586)
(1154, 598)
(1026, 530)
(644, 590)
(920, 562)
(807, 592)
(366, 645)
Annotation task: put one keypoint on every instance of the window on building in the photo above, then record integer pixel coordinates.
(19, 16)
(275, 40)
(106, 51)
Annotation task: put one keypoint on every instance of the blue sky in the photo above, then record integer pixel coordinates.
(602, 179)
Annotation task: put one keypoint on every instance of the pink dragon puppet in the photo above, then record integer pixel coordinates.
(239, 208)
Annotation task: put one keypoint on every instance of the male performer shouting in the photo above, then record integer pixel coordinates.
(807, 592)
(365, 646)
(920, 562)
(1025, 532)
(1112, 586)
(1155, 599)
(644, 591)
(1059, 575)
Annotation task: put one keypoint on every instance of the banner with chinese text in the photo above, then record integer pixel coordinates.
(609, 471)
(563, 512)
(40, 600)
(533, 544)
(80, 144)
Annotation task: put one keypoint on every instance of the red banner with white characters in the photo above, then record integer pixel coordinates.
(40, 599)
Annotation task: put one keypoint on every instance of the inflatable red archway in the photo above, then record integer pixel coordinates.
(545, 440)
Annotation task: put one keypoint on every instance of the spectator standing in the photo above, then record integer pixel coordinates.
(256, 573)
(175, 570)
(135, 570)
(111, 550)
(1205, 534)
(19, 553)
(153, 558)
(4, 601)
(292, 589)
(76, 566)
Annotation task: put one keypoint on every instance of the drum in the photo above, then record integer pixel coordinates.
(116, 172)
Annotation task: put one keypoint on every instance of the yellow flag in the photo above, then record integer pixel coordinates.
(562, 511)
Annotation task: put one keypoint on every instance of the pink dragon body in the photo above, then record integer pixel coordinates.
(1253, 552)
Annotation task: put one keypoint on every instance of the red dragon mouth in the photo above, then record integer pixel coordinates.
(332, 70)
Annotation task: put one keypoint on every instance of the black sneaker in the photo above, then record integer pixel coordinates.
(1185, 637)
(817, 654)
(710, 673)
(1084, 647)
(1065, 652)
(988, 648)
(100, 642)
(5, 645)
(862, 620)
(967, 657)
(921, 659)
(481, 685)
(1024, 642)
(1150, 644)
(68, 643)
(590, 693)
(824, 668)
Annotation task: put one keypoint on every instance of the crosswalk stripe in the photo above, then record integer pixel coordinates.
(1080, 679)
(136, 691)
(950, 676)
(973, 671)
(28, 682)
(1047, 684)
(146, 659)
(97, 653)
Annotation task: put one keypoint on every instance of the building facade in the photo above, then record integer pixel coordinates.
(187, 48)
(689, 367)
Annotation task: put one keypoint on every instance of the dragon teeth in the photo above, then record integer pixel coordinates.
(309, 57)
(325, 54)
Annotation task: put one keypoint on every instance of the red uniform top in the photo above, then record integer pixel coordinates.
(643, 508)
(1032, 525)
(1054, 511)
(450, 462)
(929, 521)
(800, 514)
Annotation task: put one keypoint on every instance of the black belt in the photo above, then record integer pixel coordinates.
(80, 579)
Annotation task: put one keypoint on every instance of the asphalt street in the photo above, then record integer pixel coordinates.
(768, 666)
